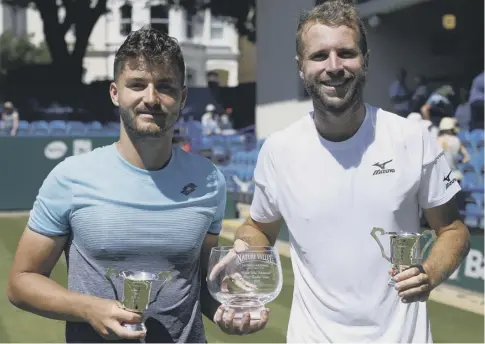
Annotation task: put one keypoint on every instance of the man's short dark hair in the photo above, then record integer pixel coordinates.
(333, 13)
(150, 46)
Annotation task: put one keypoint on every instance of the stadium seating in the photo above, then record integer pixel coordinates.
(57, 128)
(23, 129)
(66, 128)
(238, 155)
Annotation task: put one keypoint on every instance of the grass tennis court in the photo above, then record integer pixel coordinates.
(449, 325)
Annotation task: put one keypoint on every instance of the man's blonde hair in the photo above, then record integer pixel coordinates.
(333, 13)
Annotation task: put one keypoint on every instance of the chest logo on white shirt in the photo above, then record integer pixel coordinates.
(381, 168)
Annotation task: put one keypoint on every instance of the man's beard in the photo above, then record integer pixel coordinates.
(160, 125)
(353, 94)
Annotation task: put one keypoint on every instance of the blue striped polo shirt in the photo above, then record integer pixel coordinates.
(121, 217)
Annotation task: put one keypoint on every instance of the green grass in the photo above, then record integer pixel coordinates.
(449, 325)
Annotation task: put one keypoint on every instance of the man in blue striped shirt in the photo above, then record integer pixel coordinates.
(138, 204)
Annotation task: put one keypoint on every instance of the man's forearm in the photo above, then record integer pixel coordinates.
(253, 236)
(449, 250)
(40, 295)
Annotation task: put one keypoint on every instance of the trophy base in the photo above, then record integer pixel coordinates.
(243, 305)
(136, 327)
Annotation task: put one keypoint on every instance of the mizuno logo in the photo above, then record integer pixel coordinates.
(448, 180)
(382, 168)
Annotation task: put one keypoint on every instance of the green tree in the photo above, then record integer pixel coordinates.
(19, 51)
(82, 15)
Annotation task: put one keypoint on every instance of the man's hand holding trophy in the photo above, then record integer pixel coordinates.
(406, 256)
(244, 279)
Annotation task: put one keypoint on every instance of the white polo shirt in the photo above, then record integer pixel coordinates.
(331, 195)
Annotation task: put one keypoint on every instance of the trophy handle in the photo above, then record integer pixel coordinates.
(430, 241)
(112, 272)
(108, 274)
(160, 276)
(382, 232)
(166, 274)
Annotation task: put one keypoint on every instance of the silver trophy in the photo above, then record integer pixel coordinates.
(405, 249)
(137, 290)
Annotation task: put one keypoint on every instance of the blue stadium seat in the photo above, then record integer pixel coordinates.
(253, 158)
(39, 128)
(3, 132)
(75, 128)
(94, 128)
(477, 197)
(114, 125)
(476, 135)
(194, 128)
(464, 135)
(111, 129)
(228, 171)
(473, 215)
(57, 128)
(466, 139)
(95, 125)
(477, 161)
(24, 128)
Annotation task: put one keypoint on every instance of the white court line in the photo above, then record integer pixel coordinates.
(14, 213)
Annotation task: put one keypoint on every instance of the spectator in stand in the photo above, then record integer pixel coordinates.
(463, 111)
(452, 146)
(476, 102)
(225, 123)
(420, 95)
(10, 119)
(400, 94)
(210, 125)
(439, 104)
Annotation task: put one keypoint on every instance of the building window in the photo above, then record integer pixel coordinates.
(217, 28)
(159, 18)
(189, 25)
(194, 24)
(189, 77)
(125, 27)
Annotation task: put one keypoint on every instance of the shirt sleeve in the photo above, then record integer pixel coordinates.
(216, 225)
(264, 207)
(52, 207)
(437, 184)
(434, 99)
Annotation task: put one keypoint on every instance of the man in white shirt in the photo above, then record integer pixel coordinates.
(335, 174)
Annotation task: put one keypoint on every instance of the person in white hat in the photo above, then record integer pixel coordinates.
(10, 119)
(209, 122)
(452, 146)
